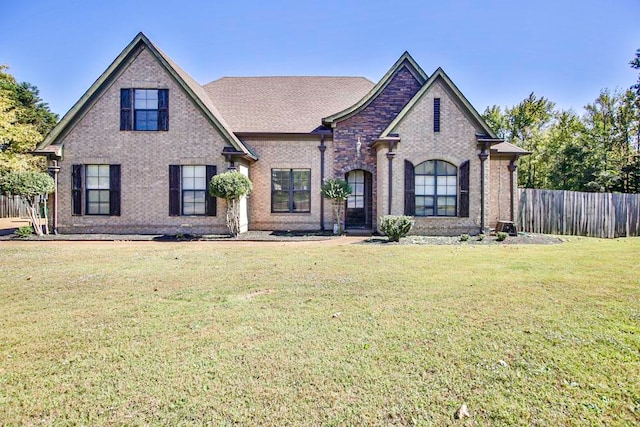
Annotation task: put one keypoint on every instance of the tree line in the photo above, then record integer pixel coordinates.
(25, 119)
(598, 151)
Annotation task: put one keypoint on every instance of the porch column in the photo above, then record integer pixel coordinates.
(512, 169)
(483, 157)
(390, 156)
(53, 169)
(322, 149)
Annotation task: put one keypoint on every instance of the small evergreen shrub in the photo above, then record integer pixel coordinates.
(501, 235)
(24, 231)
(396, 226)
(464, 237)
(481, 237)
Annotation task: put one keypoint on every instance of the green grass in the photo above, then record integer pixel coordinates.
(114, 333)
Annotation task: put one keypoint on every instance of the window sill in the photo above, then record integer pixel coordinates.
(291, 213)
(143, 130)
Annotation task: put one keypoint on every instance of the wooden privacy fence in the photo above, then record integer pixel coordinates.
(606, 215)
(13, 207)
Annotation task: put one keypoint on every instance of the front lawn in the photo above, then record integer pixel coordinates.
(222, 333)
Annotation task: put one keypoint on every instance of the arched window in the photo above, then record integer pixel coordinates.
(436, 188)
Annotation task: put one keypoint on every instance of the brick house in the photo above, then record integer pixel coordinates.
(135, 153)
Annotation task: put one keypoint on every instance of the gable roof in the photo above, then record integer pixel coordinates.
(508, 148)
(294, 104)
(439, 74)
(193, 90)
(405, 60)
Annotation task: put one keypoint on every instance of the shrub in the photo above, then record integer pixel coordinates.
(29, 185)
(24, 231)
(337, 190)
(481, 237)
(231, 186)
(396, 226)
(501, 235)
(464, 237)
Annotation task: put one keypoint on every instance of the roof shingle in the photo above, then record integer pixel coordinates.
(283, 104)
(508, 148)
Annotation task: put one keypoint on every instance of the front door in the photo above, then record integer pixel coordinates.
(358, 213)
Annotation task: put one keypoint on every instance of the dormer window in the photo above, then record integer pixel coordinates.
(144, 109)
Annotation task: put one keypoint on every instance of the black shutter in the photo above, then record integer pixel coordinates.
(163, 109)
(174, 190)
(114, 190)
(210, 201)
(409, 189)
(464, 189)
(126, 110)
(76, 189)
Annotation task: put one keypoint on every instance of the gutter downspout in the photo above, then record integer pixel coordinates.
(322, 149)
(483, 156)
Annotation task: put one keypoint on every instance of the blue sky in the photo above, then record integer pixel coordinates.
(496, 52)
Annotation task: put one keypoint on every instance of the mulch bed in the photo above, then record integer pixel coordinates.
(520, 239)
(296, 236)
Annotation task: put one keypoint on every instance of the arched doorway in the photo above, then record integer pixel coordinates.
(359, 203)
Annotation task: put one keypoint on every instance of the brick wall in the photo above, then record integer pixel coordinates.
(455, 143)
(143, 156)
(287, 153)
(368, 124)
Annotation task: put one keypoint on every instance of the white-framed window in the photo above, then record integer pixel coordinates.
(98, 189)
(95, 189)
(194, 190)
(144, 109)
(436, 188)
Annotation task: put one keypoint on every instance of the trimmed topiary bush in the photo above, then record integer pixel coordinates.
(396, 226)
(231, 186)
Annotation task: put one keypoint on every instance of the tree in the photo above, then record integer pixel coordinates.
(612, 125)
(496, 120)
(337, 190)
(635, 64)
(599, 151)
(29, 185)
(231, 186)
(568, 168)
(527, 125)
(24, 121)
